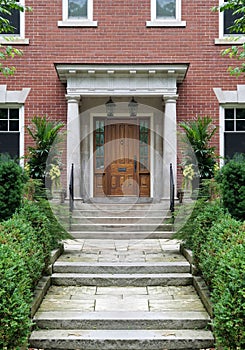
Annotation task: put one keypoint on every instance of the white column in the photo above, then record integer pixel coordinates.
(169, 142)
(73, 143)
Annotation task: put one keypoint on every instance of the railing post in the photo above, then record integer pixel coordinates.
(172, 190)
(71, 189)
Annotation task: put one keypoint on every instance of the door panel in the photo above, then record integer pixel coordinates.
(121, 162)
(121, 151)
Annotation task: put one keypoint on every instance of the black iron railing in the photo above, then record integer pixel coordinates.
(172, 189)
(71, 189)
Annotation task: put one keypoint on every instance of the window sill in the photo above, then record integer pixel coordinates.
(230, 40)
(77, 23)
(14, 40)
(166, 23)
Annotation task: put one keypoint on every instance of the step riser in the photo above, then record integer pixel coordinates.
(121, 269)
(121, 324)
(121, 227)
(119, 221)
(118, 344)
(121, 213)
(121, 282)
(121, 235)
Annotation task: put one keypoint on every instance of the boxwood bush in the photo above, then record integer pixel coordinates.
(232, 185)
(15, 298)
(229, 298)
(11, 186)
(218, 243)
(26, 240)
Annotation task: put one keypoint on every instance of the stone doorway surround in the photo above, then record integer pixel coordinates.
(101, 81)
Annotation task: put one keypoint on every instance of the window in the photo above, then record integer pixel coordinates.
(99, 143)
(234, 131)
(165, 13)
(10, 131)
(77, 13)
(144, 144)
(17, 20)
(226, 20)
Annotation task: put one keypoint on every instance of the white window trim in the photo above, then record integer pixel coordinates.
(16, 38)
(224, 38)
(228, 99)
(83, 22)
(165, 22)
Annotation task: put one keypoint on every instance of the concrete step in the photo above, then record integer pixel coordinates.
(137, 227)
(104, 220)
(108, 205)
(121, 235)
(122, 213)
(124, 268)
(78, 279)
(121, 339)
(121, 320)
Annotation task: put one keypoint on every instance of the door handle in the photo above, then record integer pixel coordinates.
(135, 164)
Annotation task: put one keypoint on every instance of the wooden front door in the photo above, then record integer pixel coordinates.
(121, 158)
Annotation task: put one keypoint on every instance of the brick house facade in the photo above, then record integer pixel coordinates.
(165, 54)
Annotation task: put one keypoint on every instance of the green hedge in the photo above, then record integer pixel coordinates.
(26, 241)
(15, 298)
(11, 187)
(232, 185)
(218, 244)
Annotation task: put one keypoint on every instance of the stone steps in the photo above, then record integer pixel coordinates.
(125, 268)
(122, 234)
(121, 294)
(123, 226)
(108, 279)
(124, 320)
(126, 213)
(121, 339)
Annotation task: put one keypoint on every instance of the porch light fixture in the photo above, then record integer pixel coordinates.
(133, 108)
(110, 108)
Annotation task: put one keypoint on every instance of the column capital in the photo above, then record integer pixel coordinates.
(73, 98)
(171, 98)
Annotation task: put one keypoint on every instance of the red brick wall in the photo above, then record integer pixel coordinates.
(122, 37)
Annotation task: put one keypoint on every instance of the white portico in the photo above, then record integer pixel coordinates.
(155, 89)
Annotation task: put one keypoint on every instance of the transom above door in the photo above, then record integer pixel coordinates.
(121, 157)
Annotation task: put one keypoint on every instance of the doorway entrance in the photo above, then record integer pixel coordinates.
(122, 157)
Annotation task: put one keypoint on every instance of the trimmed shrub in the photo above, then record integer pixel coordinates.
(26, 240)
(229, 298)
(210, 213)
(20, 235)
(232, 185)
(191, 211)
(11, 187)
(222, 236)
(15, 298)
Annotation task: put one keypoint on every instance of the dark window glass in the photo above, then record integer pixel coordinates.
(240, 125)
(9, 143)
(234, 143)
(14, 21)
(3, 113)
(229, 19)
(3, 125)
(166, 9)
(14, 113)
(77, 8)
(229, 125)
(240, 113)
(229, 113)
(14, 125)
